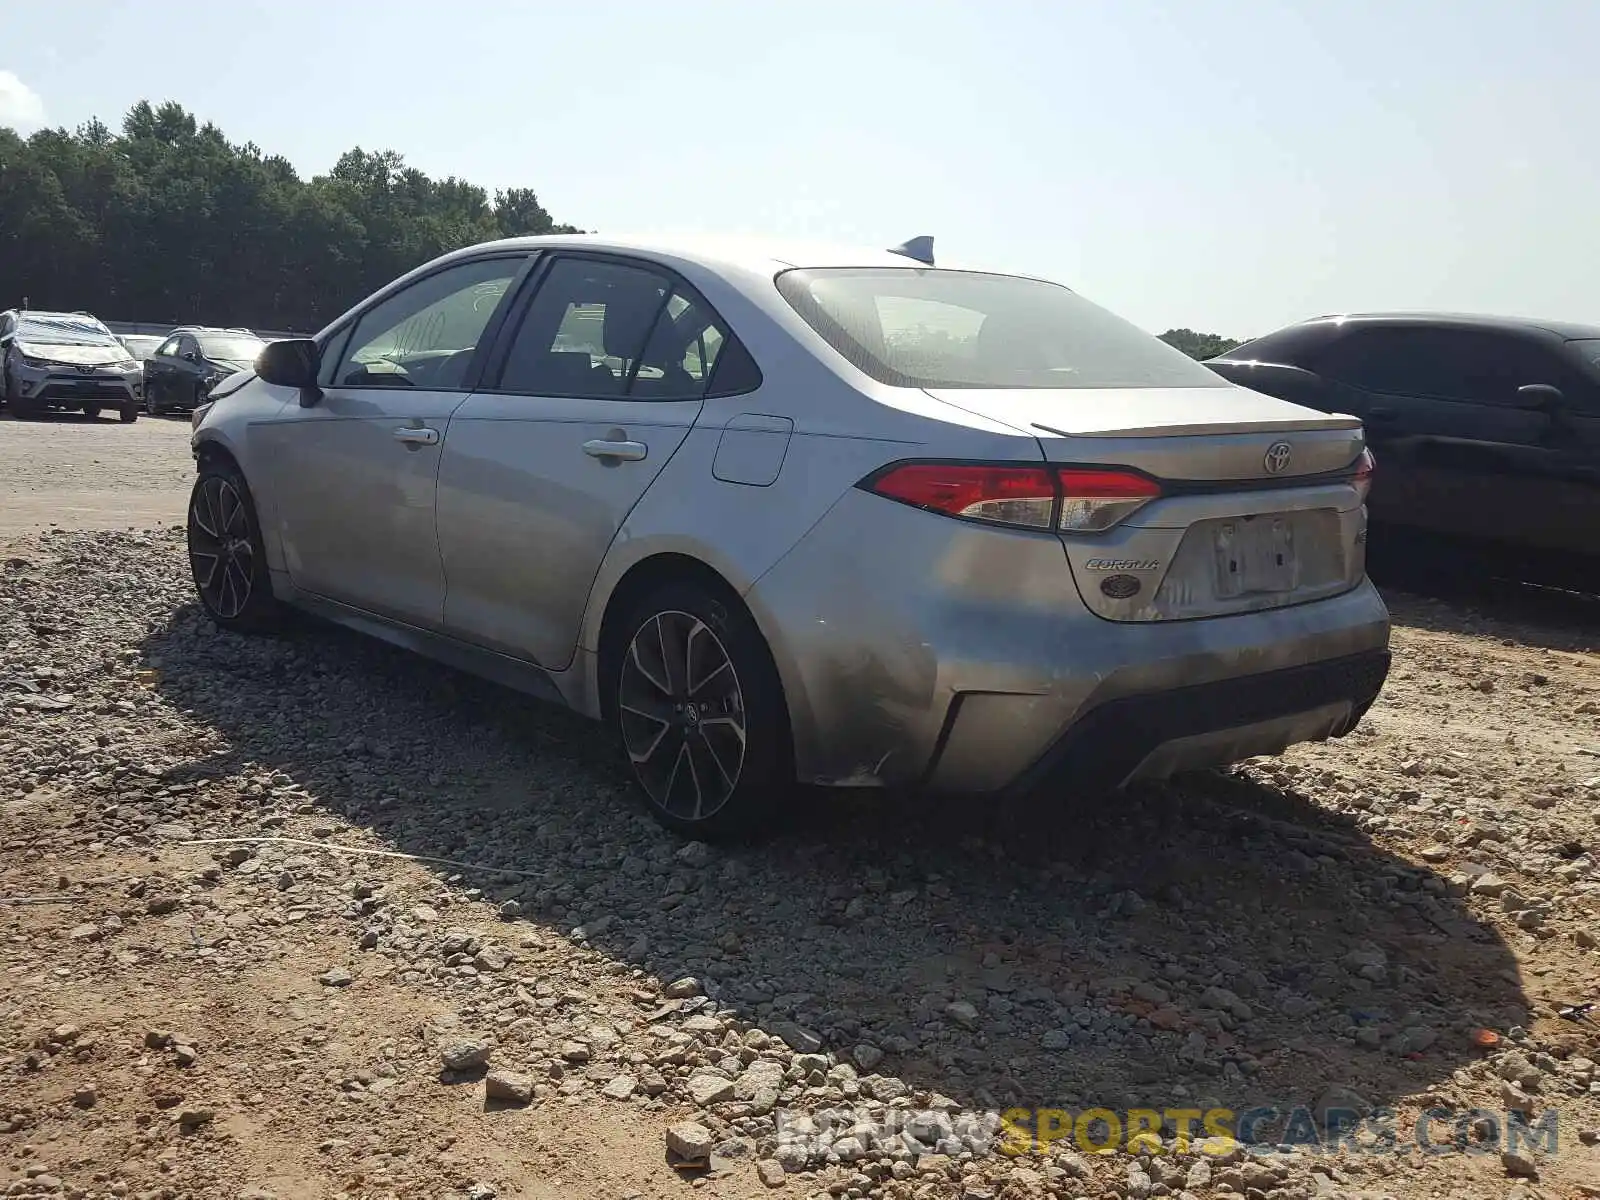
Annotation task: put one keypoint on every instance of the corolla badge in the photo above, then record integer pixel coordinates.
(1277, 458)
(1122, 564)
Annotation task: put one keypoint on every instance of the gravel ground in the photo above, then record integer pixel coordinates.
(551, 996)
(74, 473)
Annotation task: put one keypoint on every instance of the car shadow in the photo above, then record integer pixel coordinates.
(1543, 618)
(1455, 589)
(1207, 941)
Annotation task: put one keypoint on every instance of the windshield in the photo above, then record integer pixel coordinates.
(963, 329)
(228, 348)
(64, 329)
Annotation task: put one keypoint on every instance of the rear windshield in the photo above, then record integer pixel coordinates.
(912, 327)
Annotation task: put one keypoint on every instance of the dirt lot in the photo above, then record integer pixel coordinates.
(304, 917)
(74, 473)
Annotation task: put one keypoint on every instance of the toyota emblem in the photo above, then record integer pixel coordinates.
(1277, 458)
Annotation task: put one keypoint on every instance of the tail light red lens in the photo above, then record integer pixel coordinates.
(1006, 495)
(1093, 500)
(1072, 499)
(1365, 465)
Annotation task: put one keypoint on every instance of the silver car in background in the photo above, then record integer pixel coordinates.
(68, 362)
(785, 514)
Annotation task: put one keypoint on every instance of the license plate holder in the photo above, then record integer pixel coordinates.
(1255, 556)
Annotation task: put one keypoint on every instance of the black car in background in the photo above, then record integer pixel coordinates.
(183, 369)
(1486, 430)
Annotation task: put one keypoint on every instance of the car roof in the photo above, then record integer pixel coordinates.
(56, 316)
(745, 252)
(1566, 330)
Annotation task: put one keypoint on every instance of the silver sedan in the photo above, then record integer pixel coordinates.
(783, 514)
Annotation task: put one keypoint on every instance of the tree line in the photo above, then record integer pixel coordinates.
(1199, 345)
(168, 221)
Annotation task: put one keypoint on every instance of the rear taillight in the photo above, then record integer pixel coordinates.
(1093, 500)
(1365, 465)
(1071, 499)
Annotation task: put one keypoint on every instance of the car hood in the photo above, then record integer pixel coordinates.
(232, 365)
(1139, 412)
(79, 356)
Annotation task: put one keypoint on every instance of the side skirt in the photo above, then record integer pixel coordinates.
(514, 673)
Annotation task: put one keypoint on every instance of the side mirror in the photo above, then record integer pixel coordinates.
(291, 363)
(190, 356)
(1544, 396)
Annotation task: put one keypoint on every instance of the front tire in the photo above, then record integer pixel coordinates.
(226, 555)
(700, 710)
(129, 414)
(92, 411)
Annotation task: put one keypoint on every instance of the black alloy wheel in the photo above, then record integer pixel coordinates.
(226, 555)
(701, 713)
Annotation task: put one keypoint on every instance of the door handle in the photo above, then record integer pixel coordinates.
(606, 448)
(417, 436)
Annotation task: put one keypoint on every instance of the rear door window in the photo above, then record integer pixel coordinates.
(601, 329)
(1447, 364)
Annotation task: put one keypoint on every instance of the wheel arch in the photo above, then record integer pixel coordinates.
(667, 566)
(210, 448)
(208, 451)
(648, 573)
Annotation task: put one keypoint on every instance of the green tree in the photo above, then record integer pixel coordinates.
(167, 220)
(1199, 345)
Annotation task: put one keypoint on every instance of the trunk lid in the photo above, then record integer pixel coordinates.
(1257, 510)
(1204, 433)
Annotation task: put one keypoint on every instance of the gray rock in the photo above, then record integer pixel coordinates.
(336, 977)
(793, 1157)
(1519, 1165)
(796, 1038)
(682, 989)
(962, 1012)
(620, 1088)
(705, 1090)
(771, 1172)
(760, 1084)
(695, 854)
(508, 1086)
(690, 1142)
(466, 1054)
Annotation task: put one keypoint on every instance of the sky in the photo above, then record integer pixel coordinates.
(1229, 167)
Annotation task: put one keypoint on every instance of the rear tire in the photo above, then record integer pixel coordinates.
(226, 556)
(26, 410)
(696, 699)
(92, 411)
(130, 414)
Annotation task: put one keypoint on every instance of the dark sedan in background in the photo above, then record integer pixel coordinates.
(181, 372)
(1486, 429)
